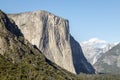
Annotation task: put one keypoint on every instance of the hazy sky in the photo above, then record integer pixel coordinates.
(87, 18)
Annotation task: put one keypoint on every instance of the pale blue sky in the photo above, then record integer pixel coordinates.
(87, 18)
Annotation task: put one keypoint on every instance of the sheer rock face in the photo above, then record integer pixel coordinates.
(51, 35)
(80, 62)
(20, 60)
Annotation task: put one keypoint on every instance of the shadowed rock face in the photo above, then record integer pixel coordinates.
(79, 61)
(51, 35)
(7, 24)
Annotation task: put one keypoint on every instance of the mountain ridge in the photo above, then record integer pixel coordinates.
(95, 48)
(109, 61)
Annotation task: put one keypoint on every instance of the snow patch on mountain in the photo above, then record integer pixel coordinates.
(95, 41)
(94, 48)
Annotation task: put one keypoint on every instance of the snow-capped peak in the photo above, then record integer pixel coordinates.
(94, 48)
(94, 40)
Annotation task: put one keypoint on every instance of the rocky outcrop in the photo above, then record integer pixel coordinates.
(109, 62)
(51, 35)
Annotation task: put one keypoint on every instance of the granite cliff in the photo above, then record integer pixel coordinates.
(51, 35)
(20, 60)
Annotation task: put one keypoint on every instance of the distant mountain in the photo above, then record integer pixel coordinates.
(94, 48)
(109, 62)
(51, 35)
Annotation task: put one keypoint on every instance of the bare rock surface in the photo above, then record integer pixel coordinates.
(51, 35)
